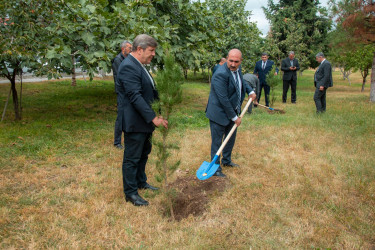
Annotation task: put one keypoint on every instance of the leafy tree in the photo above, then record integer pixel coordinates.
(238, 31)
(169, 81)
(300, 25)
(22, 39)
(356, 18)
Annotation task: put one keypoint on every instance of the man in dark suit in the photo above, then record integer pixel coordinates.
(322, 81)
(253, 82)
(290, 66)
(262, 68)
(222, 61)
(137, 90)
(126, 47)
(227, 93)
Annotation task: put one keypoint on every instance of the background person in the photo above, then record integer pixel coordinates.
(253, 82)
(126, 47)
(322, 81)
(290, 66)
(262, 68)
(222, 61)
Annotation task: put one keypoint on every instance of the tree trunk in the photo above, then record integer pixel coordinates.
(372, 91)
(15, 99)
(74, 82)
(185, 73)
(364, 77)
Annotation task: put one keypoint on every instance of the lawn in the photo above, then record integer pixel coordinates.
(305, 181)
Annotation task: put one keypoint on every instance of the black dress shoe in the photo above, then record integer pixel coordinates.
(219, 173)
(231, 165)
(119, 146)
(136, 200)
(148, 186)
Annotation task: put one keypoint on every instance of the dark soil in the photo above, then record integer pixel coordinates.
(193, 195)
(276, 111)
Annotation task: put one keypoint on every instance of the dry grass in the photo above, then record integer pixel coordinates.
(305, 181)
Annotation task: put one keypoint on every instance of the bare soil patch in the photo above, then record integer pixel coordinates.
(193, 195)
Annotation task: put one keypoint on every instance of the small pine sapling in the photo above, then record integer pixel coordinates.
(273, 81)
(168, 81)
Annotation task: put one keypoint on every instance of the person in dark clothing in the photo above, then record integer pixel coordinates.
(290, 66)
(137, 90)
(322, 81)
(126, 47)
(222, 61)
(262, 68)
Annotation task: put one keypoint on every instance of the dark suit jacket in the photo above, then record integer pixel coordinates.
(323, 75)
(137, 92)
(262, 74)
(289, 74)
(115, 65)
(253, 82)
(223, 98)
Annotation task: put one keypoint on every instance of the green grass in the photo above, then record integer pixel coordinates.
(306, 180)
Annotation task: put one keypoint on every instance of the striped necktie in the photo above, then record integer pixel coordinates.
(238, 107)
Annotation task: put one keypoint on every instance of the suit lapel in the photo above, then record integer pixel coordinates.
(148, 75)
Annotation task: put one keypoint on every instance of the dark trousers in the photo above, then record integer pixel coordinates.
(137, 148)
(266, 92)
(118, 124)
(293, 85)
(218, 134)
(320, 100)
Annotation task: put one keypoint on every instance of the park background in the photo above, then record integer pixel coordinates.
(306, 181)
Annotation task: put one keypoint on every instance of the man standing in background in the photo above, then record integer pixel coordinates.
(322, 81)
(290, 66)
(253, 82)
(126, 47)
(262, 68)
(222, 61)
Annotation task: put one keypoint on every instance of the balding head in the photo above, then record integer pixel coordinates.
(234, 59)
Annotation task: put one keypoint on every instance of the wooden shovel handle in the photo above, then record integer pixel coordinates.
(234, 128)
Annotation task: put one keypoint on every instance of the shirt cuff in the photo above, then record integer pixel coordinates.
(235, 118)
(252, 92)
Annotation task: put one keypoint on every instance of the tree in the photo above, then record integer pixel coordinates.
(300, 24)
(238, 32)
(273, 81)
(23, 39)
(169, 81)
(356, 18)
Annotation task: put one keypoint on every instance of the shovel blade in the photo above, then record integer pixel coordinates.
(207, 169)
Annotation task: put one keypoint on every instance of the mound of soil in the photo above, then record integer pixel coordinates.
(193, 195)
(276, 111)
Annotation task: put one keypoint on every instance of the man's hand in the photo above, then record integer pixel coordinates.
(291, 68)
(254, 97)
(321, 88)
(275, 73)
(159, 120)
(238, 121)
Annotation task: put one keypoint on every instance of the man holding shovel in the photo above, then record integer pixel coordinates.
(227, 93)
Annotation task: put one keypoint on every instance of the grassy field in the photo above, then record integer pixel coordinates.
(305, 181)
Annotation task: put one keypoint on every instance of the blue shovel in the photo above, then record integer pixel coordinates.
(207, 169)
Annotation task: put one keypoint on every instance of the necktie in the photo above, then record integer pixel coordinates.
(291, 63)
(263, 65)
(238, 107)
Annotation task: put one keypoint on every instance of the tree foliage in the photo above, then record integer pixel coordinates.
(300, 25)
(356, 20)
(238, 31)
(22, 39)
